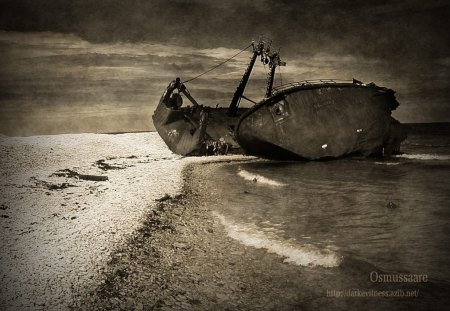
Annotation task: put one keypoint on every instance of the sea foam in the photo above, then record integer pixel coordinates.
(260, 179)
(423, 156)
(387, 163)
(302, 255)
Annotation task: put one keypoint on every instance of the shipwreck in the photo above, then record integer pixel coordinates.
(312, 119)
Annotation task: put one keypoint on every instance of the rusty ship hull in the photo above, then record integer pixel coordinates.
(322, 120)
(300, 121)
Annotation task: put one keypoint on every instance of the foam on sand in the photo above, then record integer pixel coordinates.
(302, 255)
(259, 179)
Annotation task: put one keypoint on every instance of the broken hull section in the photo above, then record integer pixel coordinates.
(197, 131)
(176, 131)
(322, 121)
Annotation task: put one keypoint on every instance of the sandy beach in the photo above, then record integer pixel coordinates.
(68, 202)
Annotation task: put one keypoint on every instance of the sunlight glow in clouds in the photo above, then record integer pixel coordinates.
(48, 74)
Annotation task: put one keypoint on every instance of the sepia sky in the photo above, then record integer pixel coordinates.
(84, 65)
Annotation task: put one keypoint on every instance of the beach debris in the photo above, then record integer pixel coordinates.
(4, 216)
(93, 177)
(164, 198)
(180, 245)
(68, 173)
(49, 185)
(4, 207)
(217, 147)
(391, 205)
(172, 199)
(59, 186)
(101, 164)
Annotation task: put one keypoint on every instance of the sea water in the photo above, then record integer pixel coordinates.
(391, 213)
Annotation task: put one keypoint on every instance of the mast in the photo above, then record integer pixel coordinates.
(274, 62)
(257, 50)
(267, 57)
(270, 79)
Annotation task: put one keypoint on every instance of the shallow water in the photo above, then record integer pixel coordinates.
(389, 213)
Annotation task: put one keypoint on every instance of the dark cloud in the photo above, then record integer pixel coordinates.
(400, 44)
(353, 24)
(413, 29)
(410, 33)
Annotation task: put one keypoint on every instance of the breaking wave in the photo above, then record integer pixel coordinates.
(423, 156)
(260, 179)
(302, 255)
(387, 163)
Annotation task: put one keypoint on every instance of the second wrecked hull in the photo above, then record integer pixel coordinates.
(322, 121)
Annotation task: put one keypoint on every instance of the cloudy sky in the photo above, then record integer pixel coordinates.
(101, 66)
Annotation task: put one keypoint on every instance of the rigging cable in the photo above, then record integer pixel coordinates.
(218, 65)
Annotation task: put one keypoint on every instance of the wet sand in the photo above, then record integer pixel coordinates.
(182, 258)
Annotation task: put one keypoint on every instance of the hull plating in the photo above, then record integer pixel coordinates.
(322, 121)
(192, 131)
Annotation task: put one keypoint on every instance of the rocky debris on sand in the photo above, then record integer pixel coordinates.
(169, 198)
(50, 185)
(101, 164)
(68, 173)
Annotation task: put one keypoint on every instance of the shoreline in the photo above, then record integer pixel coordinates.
(182, 259)
(145, 237)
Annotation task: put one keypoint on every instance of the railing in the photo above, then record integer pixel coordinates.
(309, 82)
